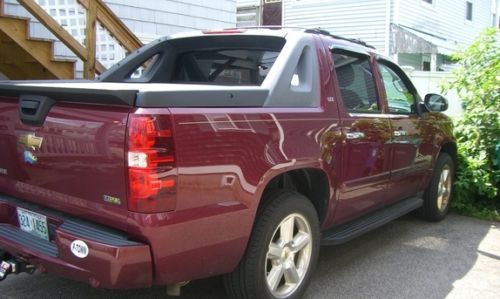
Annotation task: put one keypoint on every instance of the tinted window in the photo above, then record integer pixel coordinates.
(398, 95)
(145, 67)
(356, 82)
(225, 67)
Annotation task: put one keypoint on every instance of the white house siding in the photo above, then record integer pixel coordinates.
(246, 3)
(363, 19)
(165, 17)
(446, 18)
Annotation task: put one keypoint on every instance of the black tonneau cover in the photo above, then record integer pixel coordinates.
(84, 91)
(146, 95)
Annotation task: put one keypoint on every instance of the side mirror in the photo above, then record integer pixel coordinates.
(435, 102)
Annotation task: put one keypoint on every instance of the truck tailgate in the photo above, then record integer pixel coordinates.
(73, 162)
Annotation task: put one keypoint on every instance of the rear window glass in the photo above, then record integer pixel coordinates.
(225, 66)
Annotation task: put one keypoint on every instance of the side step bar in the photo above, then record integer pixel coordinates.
(355, 228)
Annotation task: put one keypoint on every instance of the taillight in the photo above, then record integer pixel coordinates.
(152, 175)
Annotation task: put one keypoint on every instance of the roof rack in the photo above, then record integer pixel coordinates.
(352, 40)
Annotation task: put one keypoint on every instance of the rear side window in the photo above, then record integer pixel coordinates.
(225, 67)
(355, 81)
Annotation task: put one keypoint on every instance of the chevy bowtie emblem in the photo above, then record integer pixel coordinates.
(31, 141)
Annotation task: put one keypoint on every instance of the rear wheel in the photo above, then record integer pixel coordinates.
(437, 197)
(282, 251)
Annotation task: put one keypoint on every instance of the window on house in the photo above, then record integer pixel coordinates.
(468, 11)
(426, 66)
(428, 1)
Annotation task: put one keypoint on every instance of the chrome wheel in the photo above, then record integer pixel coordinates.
(444, 188)
(289, 256)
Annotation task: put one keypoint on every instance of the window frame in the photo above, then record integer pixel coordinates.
(406, 80)
(467, 3)
(357, 53)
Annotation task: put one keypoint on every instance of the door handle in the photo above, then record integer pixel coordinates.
(399, 133)
(354, 135)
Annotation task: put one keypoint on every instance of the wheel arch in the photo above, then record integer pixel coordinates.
(450, 148)
(312, 182)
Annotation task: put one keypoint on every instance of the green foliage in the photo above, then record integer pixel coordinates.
(477, 82)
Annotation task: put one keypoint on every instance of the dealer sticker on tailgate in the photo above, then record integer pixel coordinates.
(33, 223)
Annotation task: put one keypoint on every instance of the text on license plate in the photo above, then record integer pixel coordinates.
(33, 223)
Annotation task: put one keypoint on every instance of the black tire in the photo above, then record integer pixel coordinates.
(248, 280)
(430, 210)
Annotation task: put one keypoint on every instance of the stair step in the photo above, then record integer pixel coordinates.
(19, 47)
(355, 228)
(16, 17)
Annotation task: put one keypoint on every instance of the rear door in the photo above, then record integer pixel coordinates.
(366, 131)
(411, 155)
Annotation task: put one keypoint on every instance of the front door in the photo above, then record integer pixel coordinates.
(410, 159)
(365, 168)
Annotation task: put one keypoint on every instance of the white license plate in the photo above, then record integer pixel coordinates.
(33, 223)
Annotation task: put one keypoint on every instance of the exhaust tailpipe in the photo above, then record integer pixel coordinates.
(6, 269)
(12, 266)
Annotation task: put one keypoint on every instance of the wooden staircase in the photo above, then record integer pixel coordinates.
(23, 57)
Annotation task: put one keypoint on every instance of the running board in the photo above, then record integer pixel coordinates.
(355, 228)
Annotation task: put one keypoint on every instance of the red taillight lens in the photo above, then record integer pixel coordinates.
(143, 131)
(151, 163)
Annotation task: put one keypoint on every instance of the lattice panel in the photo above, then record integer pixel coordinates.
(73, 17)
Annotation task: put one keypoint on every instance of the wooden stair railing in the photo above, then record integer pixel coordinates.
(114, 25)
(97, 10)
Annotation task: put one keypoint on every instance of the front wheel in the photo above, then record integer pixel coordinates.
(282, 251)
(437, 197)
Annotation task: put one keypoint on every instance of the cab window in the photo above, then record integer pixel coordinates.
(356, 81)
(399, 97)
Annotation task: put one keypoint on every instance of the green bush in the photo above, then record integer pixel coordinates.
(477, 82)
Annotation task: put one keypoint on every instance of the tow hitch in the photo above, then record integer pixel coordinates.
(14, 267)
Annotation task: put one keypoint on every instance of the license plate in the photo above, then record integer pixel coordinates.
(33, 223)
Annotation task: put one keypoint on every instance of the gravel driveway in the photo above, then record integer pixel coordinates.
(408, 258)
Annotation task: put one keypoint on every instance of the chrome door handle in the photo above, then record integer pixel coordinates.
(398, 133)
(354, 135)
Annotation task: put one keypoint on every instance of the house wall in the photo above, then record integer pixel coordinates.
(246, 3)
(165, 17)
(363, 19)
(413, 60)
(444, 18)
(431, 82)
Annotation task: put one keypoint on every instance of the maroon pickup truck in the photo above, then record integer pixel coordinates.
(235, 152)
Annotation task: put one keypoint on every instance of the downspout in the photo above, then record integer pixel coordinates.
(283, 12)
(396, 22)
(387, 27)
